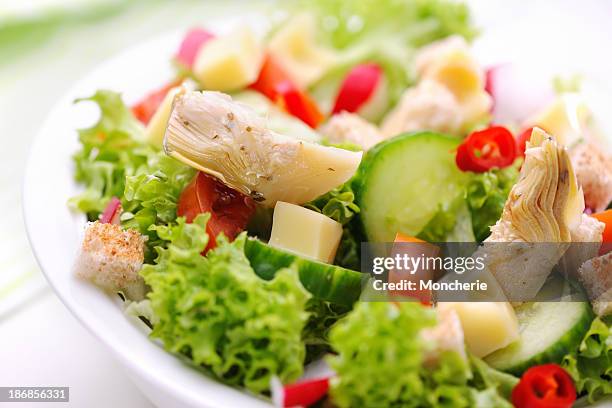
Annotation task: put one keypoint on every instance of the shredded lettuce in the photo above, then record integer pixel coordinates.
(110, 151)
(218, 313)
(486, 194)
(380, 363)
(339, 205)
(591, 365)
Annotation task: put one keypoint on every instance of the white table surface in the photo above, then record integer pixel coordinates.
(40, 342)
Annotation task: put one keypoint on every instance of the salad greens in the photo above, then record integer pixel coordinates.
(486, 194)
(220, 314)
(381, 362)
(591, 365)
(385, 32)
(113, 161)
(339, 205)
(415, 22)
(110, 151)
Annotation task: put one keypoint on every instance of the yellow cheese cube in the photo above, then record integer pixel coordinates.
(295, 47)
(566, 119)
(487, 326)
(156, 128)
(230, 62)
(305, 232)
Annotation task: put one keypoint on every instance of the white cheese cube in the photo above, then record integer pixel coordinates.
(487, 326)
(305, 232)
(230, 62)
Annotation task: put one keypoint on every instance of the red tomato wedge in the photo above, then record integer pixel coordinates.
(276, 84)
(191, 44)
(146, 108)
(358, 87)
(229, 210)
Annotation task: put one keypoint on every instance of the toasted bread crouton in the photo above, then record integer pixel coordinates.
(596, 276)
(447, 335)
(349, 127)
(594, 172)
(111, 258)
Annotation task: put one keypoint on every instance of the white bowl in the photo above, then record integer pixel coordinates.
(54, 233)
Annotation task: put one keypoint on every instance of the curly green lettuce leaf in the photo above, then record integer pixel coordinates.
(110, 151)
(381, 361)
(486, 195)
(339, 205)
(323, 315)
(591, 365)
(451, 223)
(218, 313)
(151, 196)
(492, 388)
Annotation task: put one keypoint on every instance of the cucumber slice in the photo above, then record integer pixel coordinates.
(401, 183)
(548, 330)
(327, 282)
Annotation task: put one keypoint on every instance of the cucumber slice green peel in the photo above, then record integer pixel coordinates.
(327, 282)
(548, 331)
(402, 182)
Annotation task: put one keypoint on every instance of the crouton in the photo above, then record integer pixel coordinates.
(596, 276)
(111, 258)
(349, 127)
(447, 335)
(594, 173)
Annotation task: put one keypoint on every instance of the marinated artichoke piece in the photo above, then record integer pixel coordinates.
(546, 203)
(229, 140)
(543, 210)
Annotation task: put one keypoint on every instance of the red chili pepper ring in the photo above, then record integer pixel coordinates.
(545, 386)
(486, 149)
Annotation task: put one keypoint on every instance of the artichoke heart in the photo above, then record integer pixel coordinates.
(542, 212)
(546, 203)
(229, 140)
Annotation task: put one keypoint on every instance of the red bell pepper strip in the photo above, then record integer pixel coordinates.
(544, 386)
(606, 218)
(112, 212)
(191, 44)
(298, 104)
(483, 150)
(270, 75)
(304, 393)
(276, 84)
(146, 108)
(357, 88)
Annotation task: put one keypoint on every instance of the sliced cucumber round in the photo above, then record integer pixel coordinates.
(327, 282)
(548, 331)
(401, 183)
